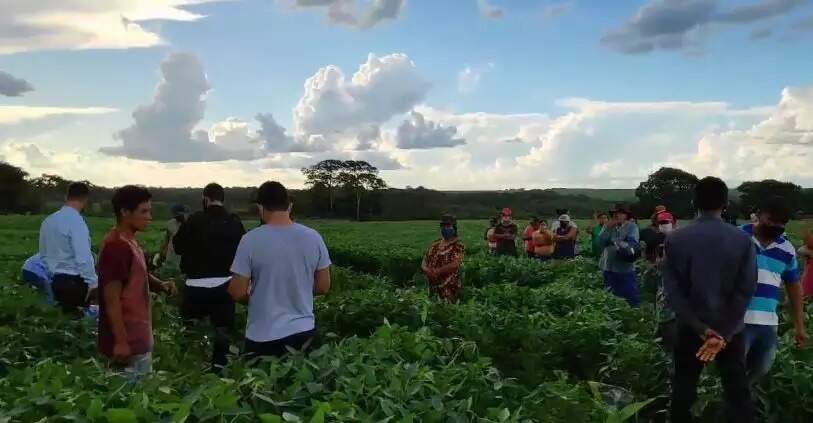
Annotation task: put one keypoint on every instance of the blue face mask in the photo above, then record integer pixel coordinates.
(448, 233)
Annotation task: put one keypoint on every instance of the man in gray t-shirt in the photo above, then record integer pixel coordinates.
(278, 268)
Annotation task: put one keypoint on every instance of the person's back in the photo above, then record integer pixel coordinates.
(207, 242)
(708, 255)
(281, 261)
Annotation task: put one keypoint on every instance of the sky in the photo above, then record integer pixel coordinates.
(445, 94)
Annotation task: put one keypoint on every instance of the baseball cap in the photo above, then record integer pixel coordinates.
(664, 217)
(564, 218)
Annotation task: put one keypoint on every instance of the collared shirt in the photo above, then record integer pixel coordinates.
(776, 264)
(610, 239)
(65, 245)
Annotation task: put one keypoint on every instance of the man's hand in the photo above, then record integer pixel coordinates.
(169, 288)
(713, 345)
(800, 337)
(121, 352)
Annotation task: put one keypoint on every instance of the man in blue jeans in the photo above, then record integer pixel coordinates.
(620, 239)
(777, 266)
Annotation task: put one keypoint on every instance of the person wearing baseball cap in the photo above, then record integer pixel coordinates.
(506, 234)
(621, 242)
(441, 263)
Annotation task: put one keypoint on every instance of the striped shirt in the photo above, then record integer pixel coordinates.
(775, 264)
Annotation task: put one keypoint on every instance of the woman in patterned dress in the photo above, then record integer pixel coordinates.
(442, 261)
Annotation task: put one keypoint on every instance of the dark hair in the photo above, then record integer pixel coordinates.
(776, 207)
(128, 198)
(602, 214)
(214, 192)
(77, 191)
(710, 194)
(273, 196)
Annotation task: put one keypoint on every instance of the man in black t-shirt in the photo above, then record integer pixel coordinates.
(506, 234)
(207, 242)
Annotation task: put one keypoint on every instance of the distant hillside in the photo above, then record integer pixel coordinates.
(625, 195)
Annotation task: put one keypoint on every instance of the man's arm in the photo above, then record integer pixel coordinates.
(321, 281)
(238, 288)
(743, 292)
(180, 242)
(113, 314)
(605, 236)
(794, 291)
(80, 242)
(673, 283)
(157, 285)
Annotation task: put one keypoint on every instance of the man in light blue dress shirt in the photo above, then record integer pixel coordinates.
(65, 249)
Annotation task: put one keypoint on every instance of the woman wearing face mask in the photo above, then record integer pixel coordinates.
(441, 264)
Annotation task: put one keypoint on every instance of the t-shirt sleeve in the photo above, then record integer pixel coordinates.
(323, 261)
(115, 261)
(242, 259)
(792, 274)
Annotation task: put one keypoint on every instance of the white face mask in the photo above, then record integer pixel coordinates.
(665, 227)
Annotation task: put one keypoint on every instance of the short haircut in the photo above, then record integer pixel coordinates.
(77, 191)
(129, 197)
(214, 192)
(602, 214)
(777, 208)
(710, 194)
(273, 196)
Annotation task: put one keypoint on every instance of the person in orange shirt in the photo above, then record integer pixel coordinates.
(543, 242)
(528, 236)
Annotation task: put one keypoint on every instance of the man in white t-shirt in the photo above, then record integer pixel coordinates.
(277, 270)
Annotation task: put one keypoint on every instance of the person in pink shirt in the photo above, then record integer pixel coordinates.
(528, 236)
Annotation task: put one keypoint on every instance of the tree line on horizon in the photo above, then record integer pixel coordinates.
(353, 189)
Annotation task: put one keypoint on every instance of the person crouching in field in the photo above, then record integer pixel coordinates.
(125, 320)
(36, 274)
(441, 263)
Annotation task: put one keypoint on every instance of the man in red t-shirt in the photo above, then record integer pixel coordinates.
(125, 323)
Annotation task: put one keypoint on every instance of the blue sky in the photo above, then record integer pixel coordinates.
(681, 79)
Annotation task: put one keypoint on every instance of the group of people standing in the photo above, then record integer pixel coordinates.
(276, 269)
(540, 241)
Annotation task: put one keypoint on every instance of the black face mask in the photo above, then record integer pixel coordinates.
(771, 232)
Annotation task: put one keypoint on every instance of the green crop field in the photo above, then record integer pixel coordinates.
(528, 342)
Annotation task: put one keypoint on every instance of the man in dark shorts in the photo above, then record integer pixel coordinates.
(206, 242)
(280, 266)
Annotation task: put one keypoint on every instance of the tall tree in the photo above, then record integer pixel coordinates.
(14, 189)
(752, 193)
(325, 174)
(673, 188)
(359, 177)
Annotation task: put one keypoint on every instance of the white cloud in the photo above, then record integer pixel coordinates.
(10, 115)
(348, 12)
(382, 88)
(28, 25)
(13, 87)
(489, 11)
(164, 130)
(468, 79)
(417, 133)
(556, 10)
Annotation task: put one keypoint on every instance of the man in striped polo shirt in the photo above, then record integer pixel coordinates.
(777, 265)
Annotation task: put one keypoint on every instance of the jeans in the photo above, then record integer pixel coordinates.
(623, 285)
(761, 343)
(40, 284)
(731, 364)
(138, 366)
(279, 347)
